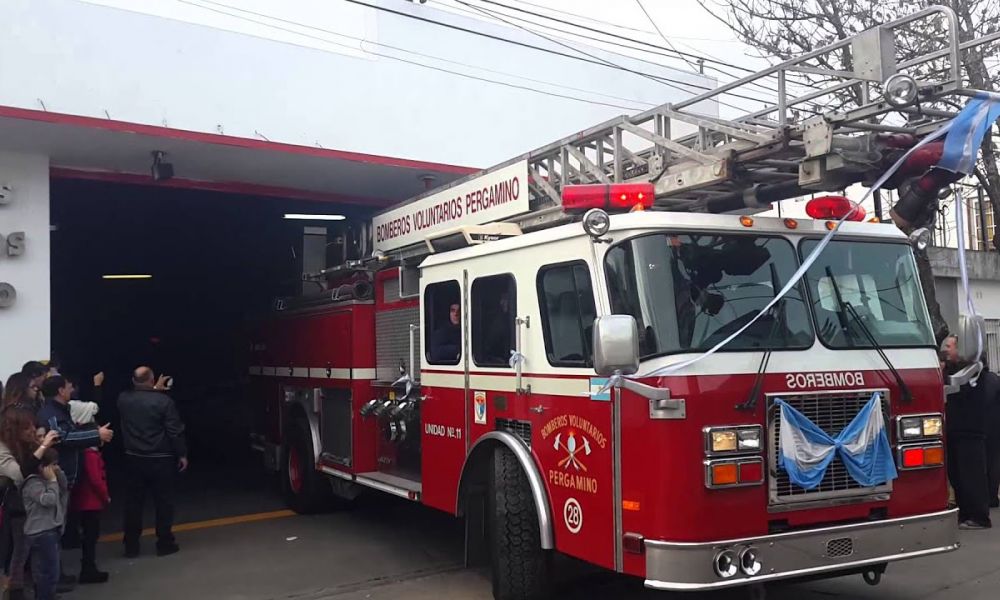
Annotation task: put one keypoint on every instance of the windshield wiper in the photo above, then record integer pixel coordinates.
(903, 388)
(750, 403)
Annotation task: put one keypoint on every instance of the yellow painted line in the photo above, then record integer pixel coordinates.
(223, 522)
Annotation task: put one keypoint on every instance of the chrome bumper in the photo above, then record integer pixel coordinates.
(690, 566)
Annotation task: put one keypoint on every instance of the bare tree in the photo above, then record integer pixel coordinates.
(783, 29)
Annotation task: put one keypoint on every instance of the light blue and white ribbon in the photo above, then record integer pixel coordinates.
(805, 451)
(961, 148)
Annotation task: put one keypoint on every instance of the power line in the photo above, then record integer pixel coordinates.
(665, 39)
(414, 52)
(676, 53)
(584, 17)
(641, 42)
(609, 34)
(410, 62)
(506, 40)
(662, 80)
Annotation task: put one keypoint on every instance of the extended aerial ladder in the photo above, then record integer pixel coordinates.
(807, 137)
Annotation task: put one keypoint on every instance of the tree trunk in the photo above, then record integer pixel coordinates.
(938, 324)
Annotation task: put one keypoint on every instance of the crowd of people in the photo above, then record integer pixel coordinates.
(53, 482)
(972, 428)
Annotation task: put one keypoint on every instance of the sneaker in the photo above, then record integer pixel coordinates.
(15, 594)
(167, 549)
(995, 503)
(93, 575)
(64, 587)
(131, 552)
(973, 525)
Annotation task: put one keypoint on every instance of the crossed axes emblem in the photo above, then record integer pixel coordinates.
(571, 451)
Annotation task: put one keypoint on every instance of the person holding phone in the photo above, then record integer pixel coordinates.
(155, 452)
(21, 452)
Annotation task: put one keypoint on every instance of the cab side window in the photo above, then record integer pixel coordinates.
(566, 302)
(494, 306)
(443, 323)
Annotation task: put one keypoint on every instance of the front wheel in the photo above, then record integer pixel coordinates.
(305, 489)
(521, 568)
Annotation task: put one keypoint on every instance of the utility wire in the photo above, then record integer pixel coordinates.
(664, 37)
(506, 40)
(414, 52)
(674, 53)
(662, 80)
(410, 62)
(642, 42)
(584, 17)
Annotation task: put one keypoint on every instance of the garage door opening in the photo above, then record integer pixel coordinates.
(211, 261)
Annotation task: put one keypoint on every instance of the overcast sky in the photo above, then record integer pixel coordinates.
(684, 22)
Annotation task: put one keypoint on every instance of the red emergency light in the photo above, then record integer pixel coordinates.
(615, 197)
(834, 207)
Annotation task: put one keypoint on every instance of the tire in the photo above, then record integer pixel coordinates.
(306, 490)
(520, 566)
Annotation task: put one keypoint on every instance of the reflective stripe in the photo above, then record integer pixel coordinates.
(314, 373)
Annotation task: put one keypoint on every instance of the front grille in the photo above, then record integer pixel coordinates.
(521, 429)
(832, 412)
(840, 547)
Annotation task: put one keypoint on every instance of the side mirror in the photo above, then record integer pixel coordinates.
(616, 345)
(970, 336)
(962, 377)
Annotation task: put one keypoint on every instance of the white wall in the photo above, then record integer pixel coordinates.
(312, 87)
(25, 327)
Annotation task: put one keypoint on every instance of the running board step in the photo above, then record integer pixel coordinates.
(384, 482)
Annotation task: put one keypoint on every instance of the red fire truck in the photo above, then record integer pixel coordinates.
(517, 347)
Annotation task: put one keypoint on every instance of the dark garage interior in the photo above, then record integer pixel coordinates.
(217, 261)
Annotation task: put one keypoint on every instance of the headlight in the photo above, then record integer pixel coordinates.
(748, 439)
(738, 438)
(933, 426)
(925, 426)
(724, 441)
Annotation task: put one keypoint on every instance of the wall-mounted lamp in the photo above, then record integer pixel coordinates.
(161, 170)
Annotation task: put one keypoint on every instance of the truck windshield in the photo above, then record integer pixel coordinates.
(880, 282)
(690, 291)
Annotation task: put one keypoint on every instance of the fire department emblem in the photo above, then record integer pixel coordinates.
(573, 448)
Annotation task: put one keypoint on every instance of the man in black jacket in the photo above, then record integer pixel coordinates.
(966, 433)
(154, 452)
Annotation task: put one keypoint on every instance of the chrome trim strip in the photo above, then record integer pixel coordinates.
(534, 481)
(616, 444)
(776, 537)
(686, 566)
(336, 473)
(660, 585)
(389, 489)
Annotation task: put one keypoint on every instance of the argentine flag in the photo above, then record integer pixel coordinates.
(966, 132)
(805, 451)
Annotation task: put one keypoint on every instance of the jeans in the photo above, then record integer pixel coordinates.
(44, 548)
(157, 476)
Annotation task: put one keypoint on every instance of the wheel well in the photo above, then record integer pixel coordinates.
(475, 474)
(296, 412)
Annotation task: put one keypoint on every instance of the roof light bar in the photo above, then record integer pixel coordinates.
(835, 207)
(616, 197)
